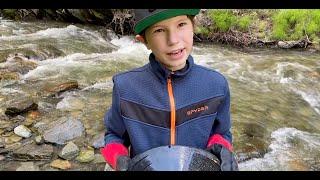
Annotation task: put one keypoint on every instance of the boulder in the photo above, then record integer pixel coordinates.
(22, 131)
(64, 131)
(54, 89)
(32, 152)
(60, 164)
(86, 156)
(21, 107)
(69, 151)
(98, 141)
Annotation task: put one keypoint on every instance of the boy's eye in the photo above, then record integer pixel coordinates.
(158, 30)
(182, 24)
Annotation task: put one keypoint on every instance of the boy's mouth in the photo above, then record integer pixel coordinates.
(176, 53)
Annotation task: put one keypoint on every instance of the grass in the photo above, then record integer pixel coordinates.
(273, 24)
(296, 24)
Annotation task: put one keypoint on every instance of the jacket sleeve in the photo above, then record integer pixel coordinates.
(220, 132)
(115, 128)
(115, 132)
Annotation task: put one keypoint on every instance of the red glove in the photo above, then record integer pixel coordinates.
(222, 148)
(218, 139)
(113, 153)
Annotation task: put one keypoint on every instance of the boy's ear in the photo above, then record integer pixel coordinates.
(141, 39)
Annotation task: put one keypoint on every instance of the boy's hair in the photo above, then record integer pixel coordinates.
(147, 17)
(143, 32)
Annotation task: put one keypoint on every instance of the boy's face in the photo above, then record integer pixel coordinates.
(170, 41)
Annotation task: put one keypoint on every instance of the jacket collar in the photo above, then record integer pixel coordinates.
(163, 73)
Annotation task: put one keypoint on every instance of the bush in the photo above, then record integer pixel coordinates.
(295, 24)
(202, 31)
(223, 20)
(244, 23)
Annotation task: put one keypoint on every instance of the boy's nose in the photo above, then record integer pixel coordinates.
(173, 38)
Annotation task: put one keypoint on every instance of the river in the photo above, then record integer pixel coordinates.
(275, 94)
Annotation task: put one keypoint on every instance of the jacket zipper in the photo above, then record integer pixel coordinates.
(172, 113)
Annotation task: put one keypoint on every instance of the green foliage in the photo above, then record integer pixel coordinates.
(244, 22)
(223, 19)
(273, 24)
(295, 24)
(10, 13)
(202, 30)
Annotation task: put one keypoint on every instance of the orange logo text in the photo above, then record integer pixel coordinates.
(199, 109)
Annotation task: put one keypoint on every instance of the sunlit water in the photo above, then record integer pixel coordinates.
(275, 94)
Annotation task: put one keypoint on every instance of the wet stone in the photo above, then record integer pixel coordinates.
(64, 131)
(98, 141)
(12, 139)
(28, 166)
(60, 164)
(70, 151)
(39, 140)
(86, 156)
(21, 107)
(22, 131)
(32, 152)
(54, 89)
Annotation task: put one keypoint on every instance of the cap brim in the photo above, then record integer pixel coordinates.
(162, 15)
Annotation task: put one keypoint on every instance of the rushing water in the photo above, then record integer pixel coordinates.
(275, 94)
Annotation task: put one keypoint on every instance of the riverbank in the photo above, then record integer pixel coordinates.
(286, 29)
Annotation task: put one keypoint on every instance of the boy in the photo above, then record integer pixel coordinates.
(170, 100)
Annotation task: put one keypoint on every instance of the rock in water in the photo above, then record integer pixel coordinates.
(32, 152)
(70, 151)
(39, 140)
(86, 156)
(60, 164)
(22, 131)
(21, 107)
(54, 89)
(64, 131)
(98, 141)
(28, 166)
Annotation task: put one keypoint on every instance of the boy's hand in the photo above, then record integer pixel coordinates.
(222, 148)
(116, 154)
(227, 159)
(122, 163)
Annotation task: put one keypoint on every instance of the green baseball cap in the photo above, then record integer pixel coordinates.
(147, 17)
